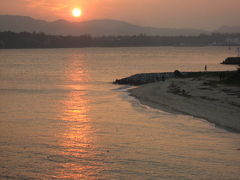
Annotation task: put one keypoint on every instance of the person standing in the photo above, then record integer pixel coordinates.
(205, 67)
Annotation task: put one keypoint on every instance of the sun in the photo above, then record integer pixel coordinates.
(76, 12)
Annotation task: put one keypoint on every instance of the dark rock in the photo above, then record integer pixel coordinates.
(177, 73)
(231, 60)
(144, 78)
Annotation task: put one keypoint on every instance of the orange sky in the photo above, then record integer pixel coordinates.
(206, 14)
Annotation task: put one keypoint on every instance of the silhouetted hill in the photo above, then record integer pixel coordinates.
(93, 27)
(229, 29)
(10, 40)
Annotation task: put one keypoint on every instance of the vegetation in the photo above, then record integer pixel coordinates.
(10, 40)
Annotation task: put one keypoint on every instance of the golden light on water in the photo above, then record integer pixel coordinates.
(77, 140)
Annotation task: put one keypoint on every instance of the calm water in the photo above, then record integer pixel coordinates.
(61, 118)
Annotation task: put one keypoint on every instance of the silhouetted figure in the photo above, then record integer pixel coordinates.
(205, 68)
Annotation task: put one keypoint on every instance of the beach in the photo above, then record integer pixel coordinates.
(201, 97)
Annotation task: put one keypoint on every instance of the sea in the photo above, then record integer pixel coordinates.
(61, 117)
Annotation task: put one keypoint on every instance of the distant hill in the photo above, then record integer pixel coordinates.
(93, 27)
(229, 29)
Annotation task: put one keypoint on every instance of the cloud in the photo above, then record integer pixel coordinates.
(53, 5)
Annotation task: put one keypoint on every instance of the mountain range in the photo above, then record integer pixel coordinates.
(102, 27)
(93, 27)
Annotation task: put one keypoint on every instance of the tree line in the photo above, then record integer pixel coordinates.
(13, 40)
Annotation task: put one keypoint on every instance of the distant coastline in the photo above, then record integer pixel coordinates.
(13, 40)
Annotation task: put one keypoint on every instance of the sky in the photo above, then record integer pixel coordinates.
(200, 14)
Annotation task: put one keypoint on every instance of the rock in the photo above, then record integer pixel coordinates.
(144, 78)
(177, 73)
(231, 60)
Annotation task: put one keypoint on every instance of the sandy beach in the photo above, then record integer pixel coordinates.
(200, 97)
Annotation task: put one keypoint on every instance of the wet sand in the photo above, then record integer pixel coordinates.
(200, 97)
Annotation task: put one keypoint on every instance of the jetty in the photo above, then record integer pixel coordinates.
(232, 61)
(145, 78)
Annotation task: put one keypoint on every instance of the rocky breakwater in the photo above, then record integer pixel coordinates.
(144, 78)
(232, 61)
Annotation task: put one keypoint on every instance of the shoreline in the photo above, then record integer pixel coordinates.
(200, 97)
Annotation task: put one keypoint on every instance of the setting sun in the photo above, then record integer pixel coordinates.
(76, 12)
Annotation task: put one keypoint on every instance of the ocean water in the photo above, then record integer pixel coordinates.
(62, 118)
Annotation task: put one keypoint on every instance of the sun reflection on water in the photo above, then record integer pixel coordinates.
(77, 156)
